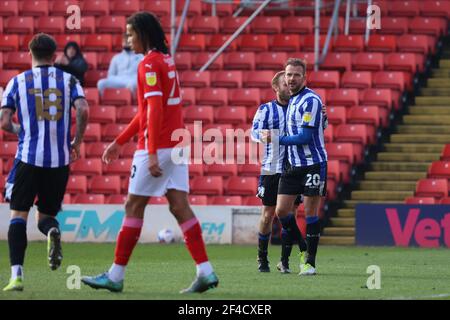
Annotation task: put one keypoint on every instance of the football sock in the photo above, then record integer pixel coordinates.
(312, 238)
(127, 240)
(45, 224)
(17, 241)
(204, 269)
(289, 223)
(193, 239)
(116, 273)
(263, 244)
(286, 245)
(16, 271)
(301, 243)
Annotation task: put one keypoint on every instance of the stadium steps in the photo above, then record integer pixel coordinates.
(404, 159)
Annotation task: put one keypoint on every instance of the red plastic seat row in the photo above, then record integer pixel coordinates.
(436, 188)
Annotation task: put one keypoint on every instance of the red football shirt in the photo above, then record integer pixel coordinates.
(157, 76)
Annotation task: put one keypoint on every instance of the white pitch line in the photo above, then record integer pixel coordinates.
(441, 295)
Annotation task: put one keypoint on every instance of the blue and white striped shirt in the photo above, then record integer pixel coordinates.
(305, 110)
(42, 97)
(271, 116)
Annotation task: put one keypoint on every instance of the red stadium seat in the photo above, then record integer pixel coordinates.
(8, 149)
(96, 42)
(298, 25)
(198, 200)
(333, 171)
(88, 167)
(87, 24)
(116, 199)
(226, 201)
(195, 8)
(414, 43)
(63, 39)
(270, 60)
(337, 115)
(253, 42)
(33, 8)
(382, 43)
(124, 8)
(183, 60)
(95, 149)
(323, 79)
(328, 134)
(439, 169)
(195, 79)
(91, 59)
(199, 59)
(124, 184)
(364, 114)
(229, 25)
(89, 199)
(76, 184)
(188, 96)
(205, 114)
(95, 7)
(266, 25)
(367, 61)
(6, 76)
(9, 42)
(337, 61)
(268, 95)
(233, 115)
(428, 26)
(104, 59)
(111, 24)
(207, 185)
(421, 200)
(355, 133)
(213, 97)
(50, 24)
(252, 201)
(309, 43)
(128, 150)
(166, 24)
(116, 96)
(342, 97)
(226, 79)
(379, 97)
(341, 151)
(102, 114)
(239, 60)
(436, 188)
(215, 41)
(92, 132)
(244, 186)
(19, 25)
(356, 79)
(444, 200)
(389, 79)
(105, 184)
(159, 7)
(17, 60)
(325, 22)
(435, 8)
(224, 170)
(284, 42)
(393, 25)
(445, 155)
(195, 170)
(120, 167)
(404, 8)
(400, 62)
(243, 97)
(125, 114)
(111, 131)
(204, 24)
(192, 42)
(350, 43)
(9, 8)
(249, 170)
(59, 7)
(92, 96)
(258, 79)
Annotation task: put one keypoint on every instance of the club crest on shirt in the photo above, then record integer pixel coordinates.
(150, 78)
(307, 117)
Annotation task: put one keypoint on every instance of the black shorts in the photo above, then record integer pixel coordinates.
(268, 190)
(309, 181)
(48, 184)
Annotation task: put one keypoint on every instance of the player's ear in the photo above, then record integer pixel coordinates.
(53, 57)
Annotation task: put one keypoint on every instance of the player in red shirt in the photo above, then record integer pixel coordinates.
(154, 172)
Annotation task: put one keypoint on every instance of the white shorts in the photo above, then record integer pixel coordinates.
(174, 176)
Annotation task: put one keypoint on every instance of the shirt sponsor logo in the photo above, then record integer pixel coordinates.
(307, 117)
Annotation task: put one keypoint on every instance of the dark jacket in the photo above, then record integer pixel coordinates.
(77, 65)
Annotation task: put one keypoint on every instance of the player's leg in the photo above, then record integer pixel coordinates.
(265, 229)
(21, 196)
(52, 184)
(126, 241)
(192, 233)
(300, 241)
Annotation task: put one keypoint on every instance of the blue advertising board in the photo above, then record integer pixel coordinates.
(403, 225)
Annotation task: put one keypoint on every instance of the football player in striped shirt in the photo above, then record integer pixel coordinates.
(42, 97)
(307, 170)
(154, 171)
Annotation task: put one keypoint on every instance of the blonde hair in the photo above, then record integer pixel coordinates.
(276, 79)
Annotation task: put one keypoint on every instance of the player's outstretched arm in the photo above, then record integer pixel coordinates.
(82, 115)
(304, 136)
(7, 124)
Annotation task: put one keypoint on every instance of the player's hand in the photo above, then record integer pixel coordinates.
(111, 152)
(74, 151)
(266, 136)
(153, 166)
(324, 110)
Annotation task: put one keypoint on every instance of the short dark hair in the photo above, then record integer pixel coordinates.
(296, 62)
(42, 46)
(149, 30)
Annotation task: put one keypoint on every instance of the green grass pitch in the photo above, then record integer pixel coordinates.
(159, 271)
